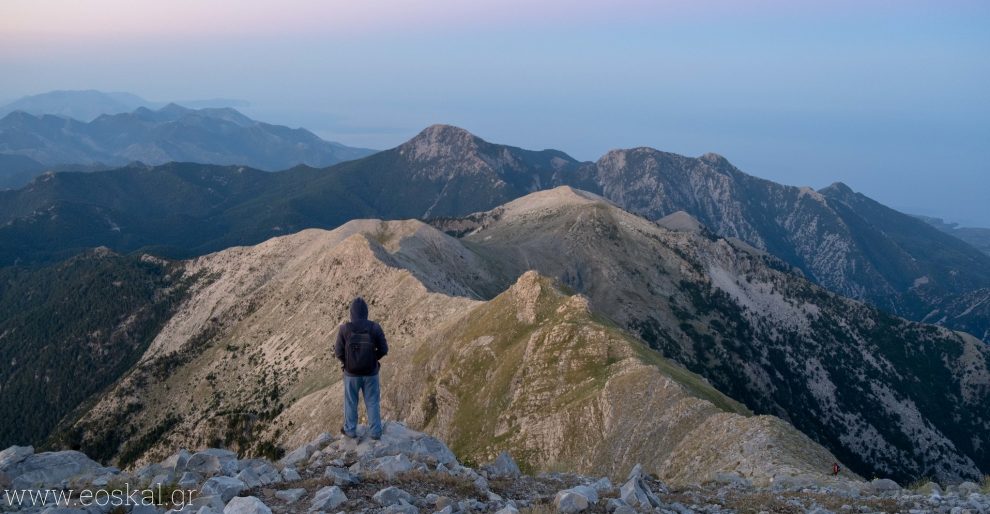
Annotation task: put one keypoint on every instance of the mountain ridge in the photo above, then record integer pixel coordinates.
(840, 239)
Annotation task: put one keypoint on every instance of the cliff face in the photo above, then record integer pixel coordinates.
(246, 362)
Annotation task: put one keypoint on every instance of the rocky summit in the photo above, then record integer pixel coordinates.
(411, 472)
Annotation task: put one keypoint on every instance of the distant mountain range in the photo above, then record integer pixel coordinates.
(836, 237)
(87, 105)
(172, 133)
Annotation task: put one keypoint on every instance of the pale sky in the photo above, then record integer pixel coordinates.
(891, 97)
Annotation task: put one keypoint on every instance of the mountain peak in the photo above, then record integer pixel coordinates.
(681, 221)
(837, 189)
(440, 141)
(442, 130)
(551, 199)
(715, 159)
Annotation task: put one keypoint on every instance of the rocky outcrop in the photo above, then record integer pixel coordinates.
(437, 482)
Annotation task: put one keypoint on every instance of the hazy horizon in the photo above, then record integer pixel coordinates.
(888, 97)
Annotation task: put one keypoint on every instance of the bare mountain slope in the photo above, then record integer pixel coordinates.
(247, 362)
(890, 397)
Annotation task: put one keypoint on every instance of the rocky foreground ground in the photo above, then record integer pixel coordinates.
(410, 472)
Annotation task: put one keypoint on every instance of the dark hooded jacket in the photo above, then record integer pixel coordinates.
(360, 323)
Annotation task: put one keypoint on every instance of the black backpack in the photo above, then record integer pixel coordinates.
(359, 352)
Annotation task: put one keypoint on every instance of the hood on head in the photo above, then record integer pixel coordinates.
(359, 309)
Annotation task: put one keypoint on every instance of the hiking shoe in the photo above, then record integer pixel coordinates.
(376, 437)
(351, 436)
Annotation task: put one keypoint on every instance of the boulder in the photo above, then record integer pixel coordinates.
(603, 485)
(398, 439)
(298, 456)
(636, 491)
(14, 455)
(391, 465)
(391, 496)
(340, 476)
(322, 440)
(305, 452)
(213, 461)
(290, 495)
(503, 467)
(249, 477)
(472, 505)
(508, 509)
(614, 505)
(209, 501)
(51, 469)
(403, 507)
(223, 487)
(266, 472)
(442, 502)
(481, 484)
(246, 505)
(587, 491)
(290, 475)
(177, 461)
(328, 498)
(162, 479)
(883, 485)
(189, 480)
(568, 501)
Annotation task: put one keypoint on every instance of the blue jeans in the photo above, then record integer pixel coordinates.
(372, 402)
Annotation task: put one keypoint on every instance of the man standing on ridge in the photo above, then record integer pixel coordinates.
(360, 345)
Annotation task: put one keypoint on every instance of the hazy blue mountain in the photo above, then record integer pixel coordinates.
(172, 133)
(87, 105)
(84, 105)
(836, 237)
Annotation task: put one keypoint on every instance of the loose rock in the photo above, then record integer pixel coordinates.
(246, 505)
